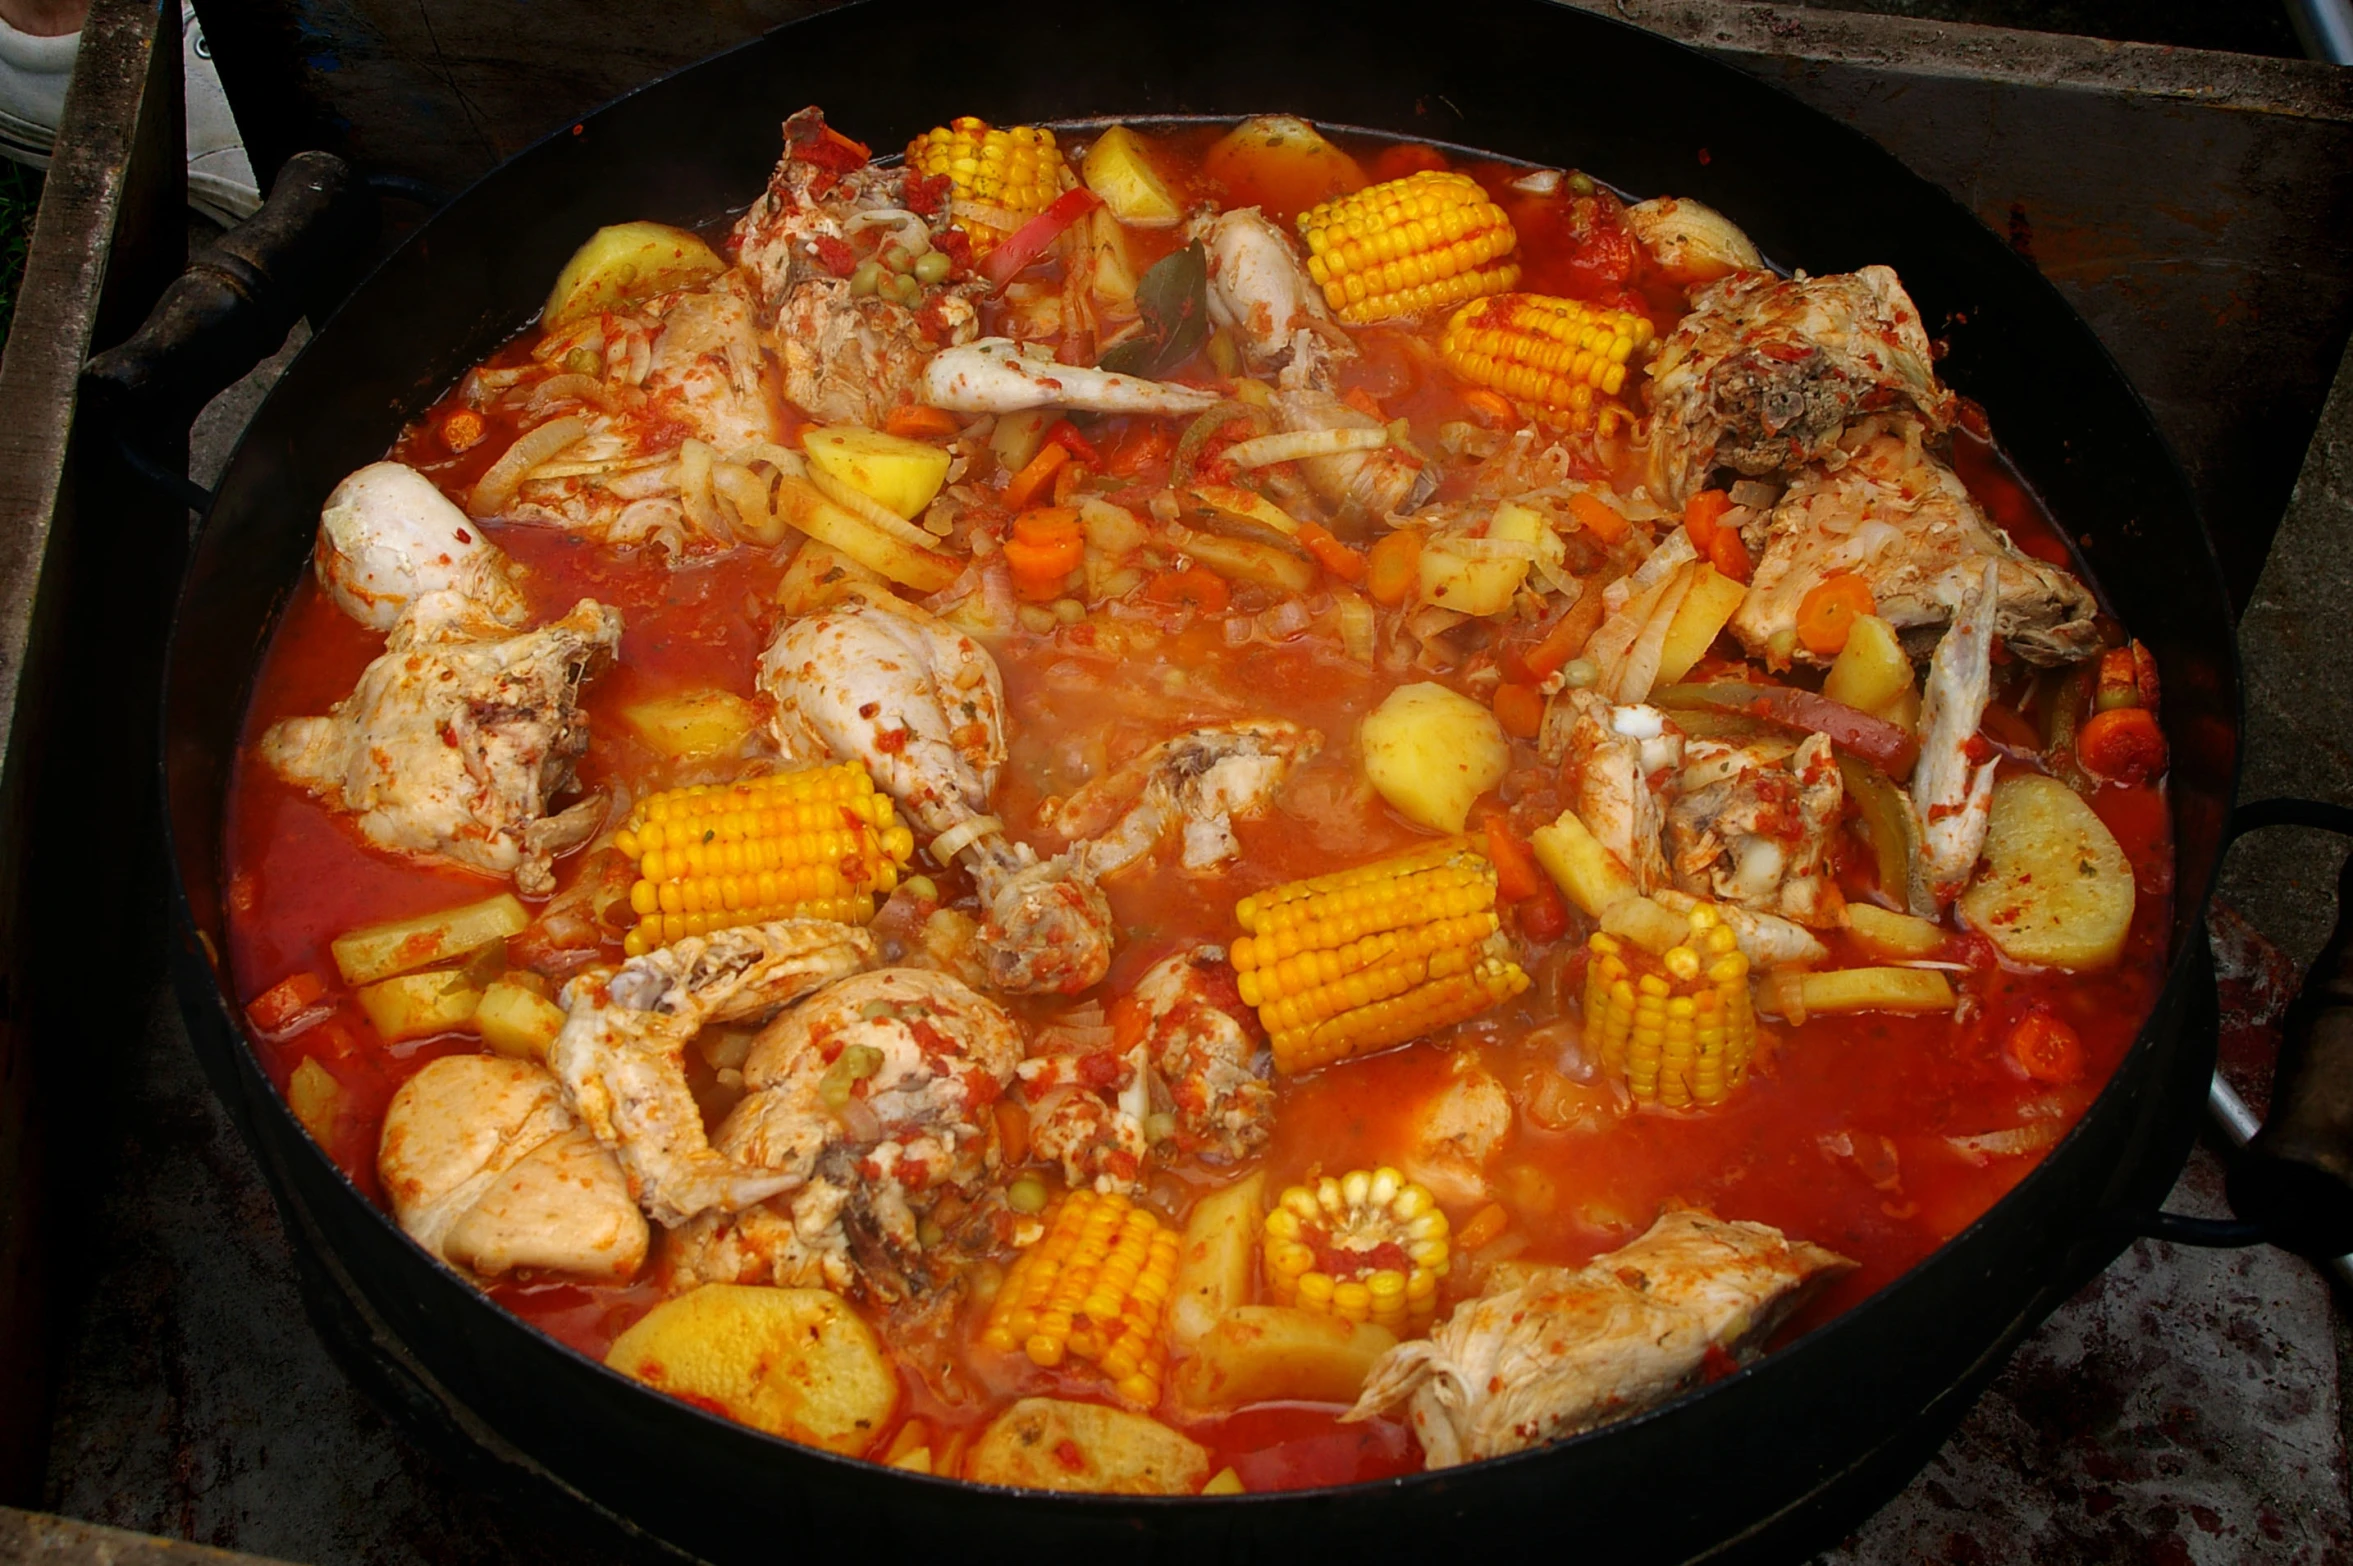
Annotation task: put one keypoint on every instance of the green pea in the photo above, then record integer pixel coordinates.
(584, 361)
(1026, 1195)
(867, 278)
(932, 266)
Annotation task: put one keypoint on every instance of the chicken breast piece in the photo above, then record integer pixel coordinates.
(1194, 783)
(1752, 824)
(911, 1130)
(621, 1053)
(489, 1170)
(1206, 1046)
(457, 739)
(1952, 794)
(1570, 1349)
(1905, 523)
(388, 535)
(1456, 1131)
(1764, 372)
(1609, 755)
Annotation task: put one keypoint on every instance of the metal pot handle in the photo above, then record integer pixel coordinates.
(230, 310)
(2291, 1180)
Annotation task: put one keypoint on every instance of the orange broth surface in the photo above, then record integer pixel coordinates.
(1839, 1137)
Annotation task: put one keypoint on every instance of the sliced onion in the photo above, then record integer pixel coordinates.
(870, 511)
(570, 388)
(1298, 445)
(694, 488)
(946, 846)
(1003, 219)
(1467, 547)
(612, 467)
(1063, 1039)
(1674, 550)
(2011, 1143)
(495, 490)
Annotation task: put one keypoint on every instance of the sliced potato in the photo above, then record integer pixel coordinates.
(1707, 607)
(1470, 584)
(1018, 436)
(1225, 1482)
(1588, 874)
(378, 951)
(891, 471)
(1219, 1258)
(2057, 890)
(1649, 924)
(1245, 560)
(1876, 989)
(1119, 169)
(1893, 934)
(419, 1005)
(1265, 1353)
(1043, 1443)
(1431, 751)
(693, 725)
(799, 503)
(624, 262)
(517, 1023)
(798, 1363)
(1872, 671)
(316, 1098)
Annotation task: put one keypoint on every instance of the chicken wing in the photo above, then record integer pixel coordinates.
(1364, 484)
(1195, 782)
(1567, 1350)
(1952, 792)
(1764, 373)
(388, 535)
(1905, 523)
(621, 1053)
(995, 375)
(1260, 290)
(456, 739)
(1752, 824)
(488, 1170)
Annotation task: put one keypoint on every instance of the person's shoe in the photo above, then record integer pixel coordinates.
(33, 74)
(220, 176)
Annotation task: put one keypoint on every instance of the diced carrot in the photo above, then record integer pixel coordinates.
(1146, 443)
(1560, 644)
(1024, 486)
(1491, 407)
(2123, 744)
(1598, 517)
(1486, 1224)
(1393, 572)
(1067, 480)
(1012, 1132)
(1544, 917)
(1729, 555)
(1517, 877)
(277, 1008)
(1065, 434)
(1829, 611)
(914, 421)
(2045, 1048)
(1334, 556)
(1520, 709)
(1046, 545)
(1205, 590)
(1364, 402)
(1703, 517)
(463, 430)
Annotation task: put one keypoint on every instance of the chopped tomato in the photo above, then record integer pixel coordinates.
(1729, 555)
(1143, 445)
(1065, 434)
(278, 1009)
(1545, 916)
(1205, 590)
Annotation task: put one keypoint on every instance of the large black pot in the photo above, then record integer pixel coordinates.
(1776, 1459)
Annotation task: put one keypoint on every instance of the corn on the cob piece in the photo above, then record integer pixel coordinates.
(1368, 1246)
(1095, 1289)
(1680, 1029)
(1356, 961)
(1408, 247)
(1556, 359)
(818, 844)
(1018, 170)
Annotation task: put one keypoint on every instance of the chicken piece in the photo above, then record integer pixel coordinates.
(822, 194)
(1456, 1131)
(1610, 754)
(1952, 794)
(1764, 373)
(1205, 1044)
(995, 375)
(851, 360)
(1087, 1111)
(621, 1053)
(488, 1170)
(1197, 781)
(1260, 290)
(880, 680)
(1905, 523)
(1566, 1349)
(1380, 483)
(388, 534)
(869, 1105)
(1752, 824)
(456, 739)
(576, 926)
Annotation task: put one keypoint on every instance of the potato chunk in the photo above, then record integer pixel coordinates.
(1118, 169)
(1431, 751)
(517, 1023)
(1042, 1443)
(626, 261)
(1876, 989)
(1872, 672)
(1590, 875)
(1220, 1256)
(1707, 607)
(419, 1005)
(378, 951)
(693, 725)
(2057, 890)
(889, 470)
(798, 1363)
(1473, 583)
(1266, 1353)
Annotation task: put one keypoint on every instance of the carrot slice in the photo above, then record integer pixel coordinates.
(1205, 590)
(276, 1008)
(2045, 1048)
(913, 421)
(2123, 744)
(1012, 1132)
(1046, 546)
(1484, 1225)
(1829, 611)
(1703, 517)
(1334, 556)
(1520, 709)
(1393, 573)
(1491, 407)
(1024, 486)
(1729, 555)
(1598, 517)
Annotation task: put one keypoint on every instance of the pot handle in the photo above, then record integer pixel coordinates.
(230, 310)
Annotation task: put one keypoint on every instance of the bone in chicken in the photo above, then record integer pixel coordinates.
(388, 535)
(879, 680)
(455, 742)
(1752, 824)
(1952, 794)
(487, 1169)
(1260, 290)
(1764, 373)
(1609, 754)
(1906, 524)
(871, 1148)
(1362, 484)
(1567, 1350)
(994, 375)
(1195, 784)
(621, 1053)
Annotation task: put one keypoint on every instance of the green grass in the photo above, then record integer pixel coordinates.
(20, 194)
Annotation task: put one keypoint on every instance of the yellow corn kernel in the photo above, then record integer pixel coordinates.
(1557, 360)
(815, 844)
(1678, 1030)
(1094, 1289)
(1363, 1224)
(1408, 247)
(1018, 171)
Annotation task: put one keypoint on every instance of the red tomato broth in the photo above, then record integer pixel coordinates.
(1838, 1138)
